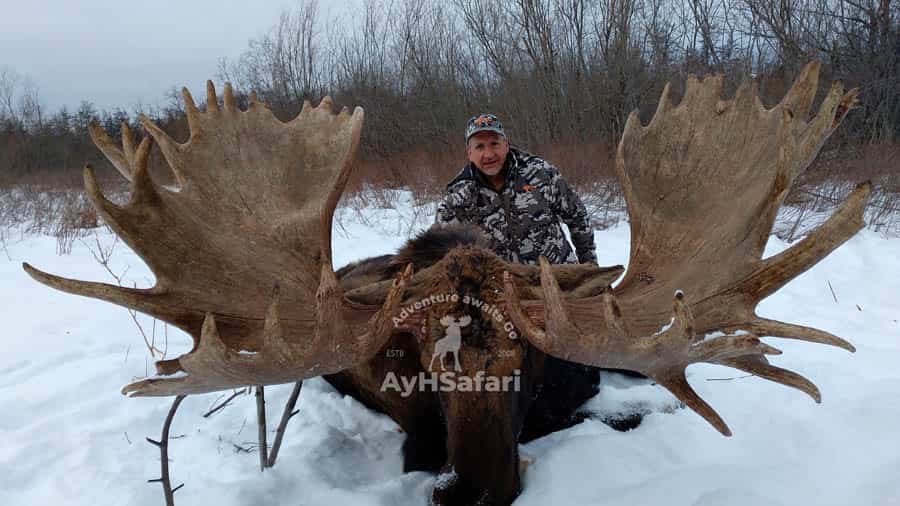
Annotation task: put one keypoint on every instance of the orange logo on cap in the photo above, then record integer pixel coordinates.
(482, 121)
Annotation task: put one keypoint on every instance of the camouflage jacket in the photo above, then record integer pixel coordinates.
(522, 219)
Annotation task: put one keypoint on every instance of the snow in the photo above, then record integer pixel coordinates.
(709, 336)
(665, 327)
(445, 479)
(69, 436)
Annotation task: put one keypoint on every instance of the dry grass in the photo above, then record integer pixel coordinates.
(52, 202)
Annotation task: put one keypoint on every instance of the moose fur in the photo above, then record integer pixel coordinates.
(551, 391)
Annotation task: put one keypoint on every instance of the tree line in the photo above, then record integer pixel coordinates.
(562, 74)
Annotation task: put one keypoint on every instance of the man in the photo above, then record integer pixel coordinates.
(517, 199)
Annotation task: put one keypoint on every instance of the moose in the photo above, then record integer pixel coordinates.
(242, 254)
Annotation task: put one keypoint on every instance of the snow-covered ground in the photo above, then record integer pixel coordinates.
(69, 437)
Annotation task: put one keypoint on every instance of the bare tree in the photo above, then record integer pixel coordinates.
(9, 84)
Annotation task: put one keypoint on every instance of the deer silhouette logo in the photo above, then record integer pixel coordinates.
(452, 340)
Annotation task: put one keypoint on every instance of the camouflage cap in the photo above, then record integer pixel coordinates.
(483, 123)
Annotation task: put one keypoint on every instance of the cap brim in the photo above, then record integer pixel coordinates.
(485, 129)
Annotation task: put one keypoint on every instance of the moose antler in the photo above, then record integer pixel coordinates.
(703, 183)
(241, 249)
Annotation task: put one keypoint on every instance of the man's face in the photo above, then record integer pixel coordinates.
(487, 151)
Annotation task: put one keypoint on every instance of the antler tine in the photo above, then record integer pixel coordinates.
(273, 331)
(665, 101)
(800, 97)
(211, 355)
(784, 176)
(143, 189)
(329, 303)
(787, 149)
(556, 319)
(145, 300)
(334, 196)
(691, 87)
(678, 385)
(776, 271)
(191, 111)
(381, 325)
(632, 124)
(702, 96)
(714, 85)
(775, 328)
(683, 317)
(615, 324)
(212, 100)
(228, 99)
(108, 210)
(169, 147)
(109, 149)
(759, 366)
(832, 111)
(210, 340)
(128, 144)
(327, 103)
(518, 316)
(732, 346)
(746, 98)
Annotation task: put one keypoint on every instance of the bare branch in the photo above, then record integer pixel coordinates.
(261, 427)
(163, 445)
(221, 405)
(286, 416)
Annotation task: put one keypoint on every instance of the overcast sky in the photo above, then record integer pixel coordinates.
(121, 53)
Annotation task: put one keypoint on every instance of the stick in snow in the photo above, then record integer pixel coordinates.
(163, 445)
(261, 420)
(286, 416)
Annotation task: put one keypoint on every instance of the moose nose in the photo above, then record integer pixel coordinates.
(482, 459)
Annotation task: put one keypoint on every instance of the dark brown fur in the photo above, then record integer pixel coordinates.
(472, 434)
